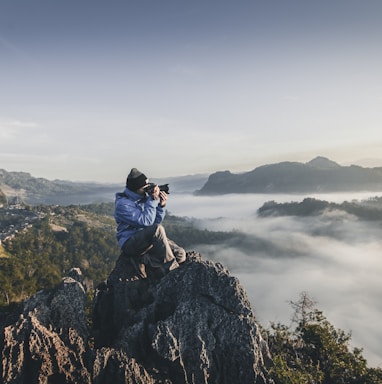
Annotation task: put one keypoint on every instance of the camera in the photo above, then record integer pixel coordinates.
(150, 188)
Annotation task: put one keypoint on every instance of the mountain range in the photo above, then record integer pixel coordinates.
(22, 186)
(317, 175)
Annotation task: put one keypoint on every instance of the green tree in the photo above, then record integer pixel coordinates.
(11, 281)
(315, 352)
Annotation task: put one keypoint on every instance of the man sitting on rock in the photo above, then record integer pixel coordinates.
(140, 234)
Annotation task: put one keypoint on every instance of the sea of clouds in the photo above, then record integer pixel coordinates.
(334, 257)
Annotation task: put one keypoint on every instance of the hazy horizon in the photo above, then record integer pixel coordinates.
(187, 178)
(335, 258)
(91, 89)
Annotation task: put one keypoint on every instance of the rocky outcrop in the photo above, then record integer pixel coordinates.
(47, 341)
(193, 325)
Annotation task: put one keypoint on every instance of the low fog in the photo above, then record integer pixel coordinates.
(335, 258)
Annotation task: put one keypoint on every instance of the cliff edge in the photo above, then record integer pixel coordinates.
(194, 325)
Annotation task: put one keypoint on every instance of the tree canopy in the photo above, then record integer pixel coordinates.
(313, 351)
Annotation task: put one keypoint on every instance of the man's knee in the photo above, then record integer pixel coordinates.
(159, 231)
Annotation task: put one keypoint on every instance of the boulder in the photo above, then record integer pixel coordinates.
(193, 325)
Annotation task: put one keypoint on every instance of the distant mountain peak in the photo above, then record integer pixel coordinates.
(323, 163)
(318, 175)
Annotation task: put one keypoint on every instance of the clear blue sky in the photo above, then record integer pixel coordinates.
(90, 88)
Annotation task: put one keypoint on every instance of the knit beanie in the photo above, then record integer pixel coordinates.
(136, 180)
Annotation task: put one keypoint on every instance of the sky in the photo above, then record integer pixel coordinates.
(90, 89)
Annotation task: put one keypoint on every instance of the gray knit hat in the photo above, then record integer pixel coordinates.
(136, 180)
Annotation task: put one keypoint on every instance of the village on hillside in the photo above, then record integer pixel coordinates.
(16, 217)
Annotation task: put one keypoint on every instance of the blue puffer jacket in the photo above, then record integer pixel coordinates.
(134, 212)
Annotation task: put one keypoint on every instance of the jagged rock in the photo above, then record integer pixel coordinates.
(48, 341)
(194, 325)
(112, 366)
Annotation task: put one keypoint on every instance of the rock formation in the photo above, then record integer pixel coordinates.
(193, 325)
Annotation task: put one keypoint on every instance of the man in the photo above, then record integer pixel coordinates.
(140, 234)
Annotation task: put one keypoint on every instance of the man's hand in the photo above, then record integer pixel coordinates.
(155, 193)
(163, 198)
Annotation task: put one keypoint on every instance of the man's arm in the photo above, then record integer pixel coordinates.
(132, 214)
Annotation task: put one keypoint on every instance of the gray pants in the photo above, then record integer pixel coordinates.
(155, 248)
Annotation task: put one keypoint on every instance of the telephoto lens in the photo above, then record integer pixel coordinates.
(150, 188)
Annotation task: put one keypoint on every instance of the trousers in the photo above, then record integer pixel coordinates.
(154, 248)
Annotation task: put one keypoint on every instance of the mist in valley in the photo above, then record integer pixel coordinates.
(334, 257)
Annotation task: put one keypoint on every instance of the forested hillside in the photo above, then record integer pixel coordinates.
(60, 238)
(369, 210)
